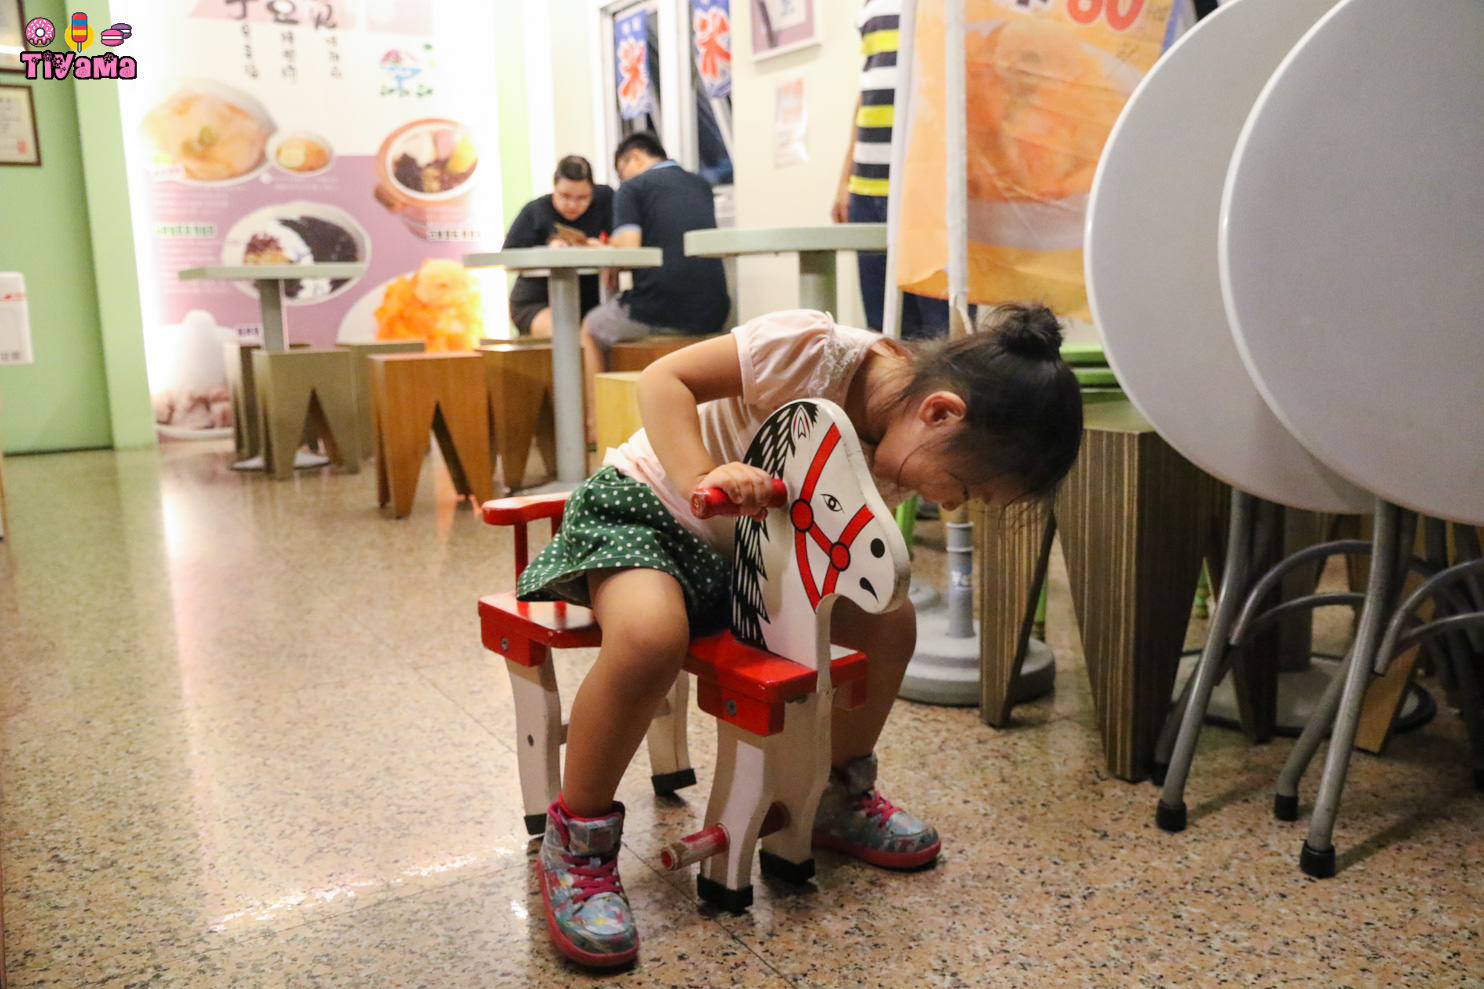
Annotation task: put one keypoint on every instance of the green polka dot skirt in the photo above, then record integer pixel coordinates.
(613, 520)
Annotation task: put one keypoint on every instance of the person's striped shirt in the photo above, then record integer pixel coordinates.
(870, 169)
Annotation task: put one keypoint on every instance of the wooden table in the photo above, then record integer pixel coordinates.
(815, 246)
(562, 265)
(270, 279)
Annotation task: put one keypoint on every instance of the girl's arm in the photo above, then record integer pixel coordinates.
(670, 390)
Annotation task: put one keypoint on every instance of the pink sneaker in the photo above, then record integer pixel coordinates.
(587, 913)
(854, 818)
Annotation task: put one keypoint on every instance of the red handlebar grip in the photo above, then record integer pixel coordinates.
(706, 502)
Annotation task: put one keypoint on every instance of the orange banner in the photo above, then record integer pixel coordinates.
(1045, 81)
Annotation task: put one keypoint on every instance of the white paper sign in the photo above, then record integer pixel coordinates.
(15, 322)
(790, 123)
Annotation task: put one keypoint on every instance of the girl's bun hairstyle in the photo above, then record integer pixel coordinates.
(1023, 407)
(1030, 331)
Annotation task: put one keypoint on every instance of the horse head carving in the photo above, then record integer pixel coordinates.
(834, 538)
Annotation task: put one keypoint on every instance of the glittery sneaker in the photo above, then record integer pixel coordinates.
(587, 913)
(856, 819)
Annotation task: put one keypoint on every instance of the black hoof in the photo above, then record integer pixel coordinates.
(1170, 818)
(797, 873)
(667, 783)
(1479, 780)
(733, 900)
(1285, 806)
(535, 823)
(1157, 773)
(1317, 863)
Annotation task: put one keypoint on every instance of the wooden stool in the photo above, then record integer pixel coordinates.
(363, 381)
(518, 378)
(1136, 520)
(300, 386)
(413, 393)
(616, 408)
(237, 356)
(636, 355)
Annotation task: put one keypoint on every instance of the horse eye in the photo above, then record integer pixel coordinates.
(832, 503)
(878, 548)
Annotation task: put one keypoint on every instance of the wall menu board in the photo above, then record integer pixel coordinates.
(291, 131)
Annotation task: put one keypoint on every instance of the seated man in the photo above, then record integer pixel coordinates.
(585, 211)
(654, 207)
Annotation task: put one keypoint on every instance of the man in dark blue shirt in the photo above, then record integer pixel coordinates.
(654, 207)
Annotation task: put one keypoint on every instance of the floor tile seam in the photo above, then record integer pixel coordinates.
(200, 948)
(678, 885)
(488, 730)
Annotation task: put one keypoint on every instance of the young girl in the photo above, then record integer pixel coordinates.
(996, 416)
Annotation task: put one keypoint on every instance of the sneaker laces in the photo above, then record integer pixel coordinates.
(592, 879)
(873, 804)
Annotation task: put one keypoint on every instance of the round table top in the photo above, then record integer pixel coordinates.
(1352, 249)
(276, 272)
(546, 258)
(1152, 277)
(732, 241)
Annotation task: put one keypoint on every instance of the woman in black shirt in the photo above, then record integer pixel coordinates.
(575, 203)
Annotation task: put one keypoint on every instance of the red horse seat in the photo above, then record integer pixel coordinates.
(510, 627)
(747, 687)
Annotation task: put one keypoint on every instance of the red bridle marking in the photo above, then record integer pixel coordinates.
(805, 524)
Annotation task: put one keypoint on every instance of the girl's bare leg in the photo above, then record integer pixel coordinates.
(645, 635)
(888, 641)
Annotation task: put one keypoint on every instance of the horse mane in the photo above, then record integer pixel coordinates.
(775, 442)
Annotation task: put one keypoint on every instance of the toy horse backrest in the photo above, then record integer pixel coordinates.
(834, 538)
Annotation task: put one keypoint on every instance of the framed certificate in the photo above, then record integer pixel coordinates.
(18, 145)
(12, 22)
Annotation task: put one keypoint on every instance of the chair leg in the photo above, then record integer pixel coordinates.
(1391, 530)
(669, 755)
(798, 768)
(539, 734)
(1170, 813)
(739, 803)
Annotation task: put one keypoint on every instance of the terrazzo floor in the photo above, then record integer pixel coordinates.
(248, 737)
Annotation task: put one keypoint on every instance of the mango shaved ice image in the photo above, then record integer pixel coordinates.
(438, 304)
(210, 138)
(1040, 108)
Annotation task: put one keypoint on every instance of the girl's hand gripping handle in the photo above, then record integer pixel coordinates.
(707, 502)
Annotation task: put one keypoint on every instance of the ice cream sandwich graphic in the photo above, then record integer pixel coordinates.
(116, 35)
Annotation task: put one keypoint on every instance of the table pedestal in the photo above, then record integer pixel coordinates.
(566, 374)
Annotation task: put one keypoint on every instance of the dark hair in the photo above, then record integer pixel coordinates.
(1023, 416)
(573, 168)
(644, 141)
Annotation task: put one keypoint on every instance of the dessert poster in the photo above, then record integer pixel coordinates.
(1045, 83)
(303, 131)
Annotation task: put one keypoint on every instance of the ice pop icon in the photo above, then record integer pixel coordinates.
(79, 32)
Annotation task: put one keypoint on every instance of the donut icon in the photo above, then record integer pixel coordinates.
(40, 32)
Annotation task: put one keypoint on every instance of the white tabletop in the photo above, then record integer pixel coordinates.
(731, 241)
(1352, 249)
(547, 258)
(276, 272)
(1152, 277)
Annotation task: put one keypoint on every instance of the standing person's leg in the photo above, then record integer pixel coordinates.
(853, 816)
(871, 265)
(923, 317)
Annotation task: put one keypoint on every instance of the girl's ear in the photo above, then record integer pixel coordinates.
(941, 407)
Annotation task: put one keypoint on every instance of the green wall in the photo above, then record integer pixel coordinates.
(88, 387)
(61, 401)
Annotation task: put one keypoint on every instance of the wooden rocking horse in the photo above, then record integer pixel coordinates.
(770, 681)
